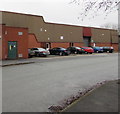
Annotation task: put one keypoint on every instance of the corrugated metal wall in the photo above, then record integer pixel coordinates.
(50, 32)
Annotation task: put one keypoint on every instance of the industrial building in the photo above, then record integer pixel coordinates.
(18, 32)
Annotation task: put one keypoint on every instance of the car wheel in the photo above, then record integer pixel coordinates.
(60, 53)
(45, 55)
(37, 54)
(29, 56)
(75, 52)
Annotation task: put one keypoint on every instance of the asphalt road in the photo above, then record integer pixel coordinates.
(35, 87)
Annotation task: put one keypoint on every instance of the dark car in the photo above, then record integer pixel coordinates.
(59, 51)
(75, 50)
(40, 52)
(108, 49)
(98, 49)
(88, 50)
(31, 53)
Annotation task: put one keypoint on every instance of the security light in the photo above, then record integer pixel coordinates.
(40, 29)
(61, 37)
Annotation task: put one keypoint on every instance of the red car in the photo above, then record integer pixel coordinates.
(88, 50)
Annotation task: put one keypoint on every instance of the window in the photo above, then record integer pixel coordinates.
(34, 48)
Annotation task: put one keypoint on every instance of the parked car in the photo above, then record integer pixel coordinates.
(40, 52)
(88, 50)
(98, 49)
(31, 53)
(108, 49)
(75, 50)
(59, 51)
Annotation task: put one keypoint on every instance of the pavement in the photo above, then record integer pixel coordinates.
(16, 62)
(102, 99)
(5, 63)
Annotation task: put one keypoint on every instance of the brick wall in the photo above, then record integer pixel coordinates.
(78, 44)
(64, 45)
(114, 45)
(32, 41)
(11, 34)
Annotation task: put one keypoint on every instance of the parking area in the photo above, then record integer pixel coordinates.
(47, 82)
(49, 57)
(41, 52)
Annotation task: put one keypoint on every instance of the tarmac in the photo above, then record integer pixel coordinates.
(4, 63)
(103, 99)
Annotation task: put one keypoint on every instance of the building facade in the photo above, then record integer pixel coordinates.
(25, 31)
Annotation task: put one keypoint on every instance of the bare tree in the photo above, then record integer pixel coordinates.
(96, 7)
(110, 26)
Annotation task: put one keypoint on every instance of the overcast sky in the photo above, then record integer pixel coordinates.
(57, 11)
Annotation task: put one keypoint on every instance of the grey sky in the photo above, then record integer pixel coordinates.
(56, 11)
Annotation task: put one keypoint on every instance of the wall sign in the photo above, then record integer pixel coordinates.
(20, 33)
(20, 55)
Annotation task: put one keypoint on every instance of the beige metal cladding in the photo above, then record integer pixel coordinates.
(50, 32)
(62, 33)
(33, 23)
(114, 36)
(45, 32)
(104, 35)
(100, 35)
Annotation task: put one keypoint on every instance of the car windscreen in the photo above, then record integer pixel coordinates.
(41, 49)
(106, 47)
(97, 47)
(77, 47)
(86, 48)
(62, 49)
(34, 48)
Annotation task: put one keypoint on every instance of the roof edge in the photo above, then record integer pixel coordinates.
(55, 23)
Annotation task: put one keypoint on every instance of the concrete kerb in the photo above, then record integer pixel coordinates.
(87, 94)
(74, 101)
(16, 64)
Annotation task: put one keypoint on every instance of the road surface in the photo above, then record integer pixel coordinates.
(35, 87)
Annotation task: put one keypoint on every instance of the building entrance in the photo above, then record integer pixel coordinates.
(12, 50)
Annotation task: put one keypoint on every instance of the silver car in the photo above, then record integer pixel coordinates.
(40, 52)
